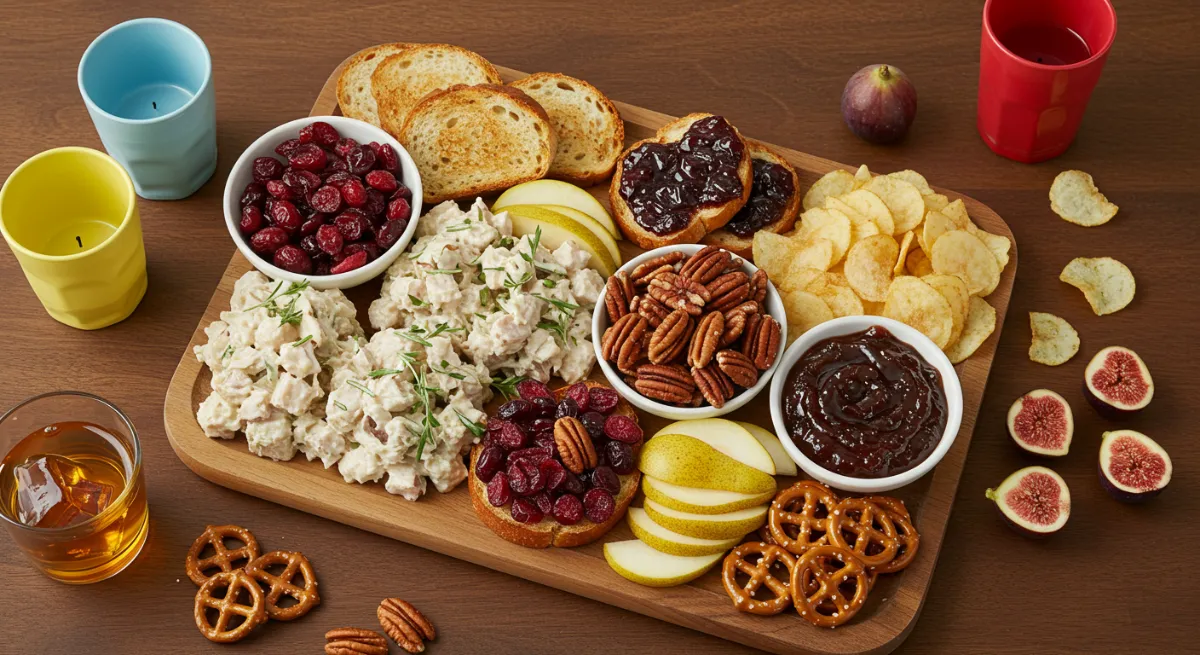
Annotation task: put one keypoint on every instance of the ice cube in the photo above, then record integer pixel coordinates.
(53, 492)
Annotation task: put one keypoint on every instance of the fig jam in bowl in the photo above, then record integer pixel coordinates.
(865, 404)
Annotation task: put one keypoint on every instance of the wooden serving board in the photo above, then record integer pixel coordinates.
(447, 524)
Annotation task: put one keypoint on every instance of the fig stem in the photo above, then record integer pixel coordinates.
(990, 494)
(885, 73)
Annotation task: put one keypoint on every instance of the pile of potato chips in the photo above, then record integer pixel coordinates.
(887, 245)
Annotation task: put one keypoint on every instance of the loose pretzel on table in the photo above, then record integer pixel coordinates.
(305, 593)
(229, 607)
(759, 574)
(798, 508)
(222, 557)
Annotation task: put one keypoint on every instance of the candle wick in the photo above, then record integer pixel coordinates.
(79, 241)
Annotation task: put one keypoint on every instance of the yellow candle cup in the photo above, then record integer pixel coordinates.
(69, 216)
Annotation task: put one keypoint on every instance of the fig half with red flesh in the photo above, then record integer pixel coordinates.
(1133, 468)
(1117, 382)
(1034, 500)
(1041, 423)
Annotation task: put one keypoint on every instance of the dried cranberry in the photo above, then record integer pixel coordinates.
(399, 210)
(602, 399)
(535, 454)
(386, 155)
(515, 409)
(310, 226)
(320, 133)
(252, 219)
(372, 251)
(268, 240)
(352, 224)
(301, 182)
(285, 215)
(541, 426)
(329, 238)
(307, 157)
(497, 490)
(594, 422)
(326, 199)
(510, 437)
(360, 160)
(525, 477)
(489, 462)
(525, 511)
(382, 180)
(309, 245)
(530, 389)
(546, 443)
(554, 473)
(286, 148)
(603, 477)
(572, 484)
(254, 194)
(598, 504)
(544, 502)
(348, 250)
(578, 392)
(390, 233)
(345, 146)
(568, 510)
(543, 407)
(566, 407)
(267, 168)
(338, 179)
(623, 429)
(279, 190)
(376, 204)
(354, 193)
(620, 457)
(321, 266)
(290, 258)
(357, 260)
(402, 191)
(336, 165)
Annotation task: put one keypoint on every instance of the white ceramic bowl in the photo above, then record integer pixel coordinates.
(923, 346)
(264, 146)
(600, 323)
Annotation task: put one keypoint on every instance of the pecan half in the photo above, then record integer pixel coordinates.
(617, 295)
(758, 286)
(405, 624)
(669, 383)
(574, 445)
(706, 265)
(679, 292)
(761, 344)
(650, 308)
(623, 341)
(707, 339)
(747, 307)
(664, 263)
(713, 384)
(738, 367)
(735, 325)
(729, 290)
(735, 264)
(355, 641)
(670, 337)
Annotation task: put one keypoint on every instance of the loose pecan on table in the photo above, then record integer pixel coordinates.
(405, 624)
(355, 641)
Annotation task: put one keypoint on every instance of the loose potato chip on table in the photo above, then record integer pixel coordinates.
(1075, 198)
(1107, 284)
(868, 204)
(827, 224)
(905, 244)
(1054, 341)
(913, 302)
(954, 290)
(963, 254)
(869, 266)
(833, 183)
(981, 322)
(903, 200)
(804, 312)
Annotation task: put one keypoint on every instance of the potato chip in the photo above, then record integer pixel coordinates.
(957, 213)
(954, 290)
(902, 200)
(804, 312)
(1075, 198)
(869, 205)
(963, 254)
(935, 202)
(1107, 284)
(997, 243)
(833, 183)
(861, 226)
(914, 178)
(936, 224)
(827, 224)
(871, 308)
(862, 176)
(916, 304)
(802, 277)
(813, 252)
(773, 253)
(905, 244)
(917, 263)
(869, 266)
(842, 300)
(1054, 340)
(981, 322)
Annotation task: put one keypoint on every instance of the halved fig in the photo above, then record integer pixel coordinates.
(1117, 382)
(1041, 423)
(1133, 468)
(1034, 500)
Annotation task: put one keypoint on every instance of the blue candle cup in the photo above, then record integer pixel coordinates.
(148, 87)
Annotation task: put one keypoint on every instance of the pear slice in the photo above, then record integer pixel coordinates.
(557, 230)
(690, 462)
(727, 437)
(700, 501)
(673, 543)
(579, 217)
(636, 561)
(557, 192)
(708, 526)
(784, 465)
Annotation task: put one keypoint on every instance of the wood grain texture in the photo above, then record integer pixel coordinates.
(1111, 582)
(447, 524)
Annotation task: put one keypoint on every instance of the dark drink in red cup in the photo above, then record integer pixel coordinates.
(1038, 63)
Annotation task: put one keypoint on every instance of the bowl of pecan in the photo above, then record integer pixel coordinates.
(689, 331)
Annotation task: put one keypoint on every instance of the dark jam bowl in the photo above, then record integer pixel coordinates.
(924, 347)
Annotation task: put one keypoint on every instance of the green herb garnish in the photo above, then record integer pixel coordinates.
(417, 302)
(359, 385)
(507, 386)
(475, 428)
(306, 339)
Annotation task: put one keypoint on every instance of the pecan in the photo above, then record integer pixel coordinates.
(679, 292)
(355, 641)
(574, 444)
(617, 296)
(729, 290)
(623, 341)
(670, 337)
(706, 265)
(761, 344)
(735, 264)
(669, 383)
(405, 624)
(706, 339)
(697, 399)
(664, 263)
(758, 286)
(735, 324)
(713, 384)
(650, 308)
(748, 307)
(738, 367)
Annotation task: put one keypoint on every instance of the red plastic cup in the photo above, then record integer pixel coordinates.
(1030, 111)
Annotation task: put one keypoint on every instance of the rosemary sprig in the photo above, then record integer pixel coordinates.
(513, 284)
(475, 428)
(417, 302)
(557, 328)
(228, 352)
(533, 246)
(381, 372)
(362, 388)
(444, 271)
(561, 305)
(549, 284)
(340, 405)
(414, 338)
(485, 296)
(306, 339)
(506, 242)
(507, 386)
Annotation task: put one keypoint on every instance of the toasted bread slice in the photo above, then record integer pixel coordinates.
(703, 220)
(470, 140)
(403, 79)
(590, 131)
(354, 84)
(549, 532)
(781, 223)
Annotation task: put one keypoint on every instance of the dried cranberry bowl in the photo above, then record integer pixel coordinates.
(362, 178)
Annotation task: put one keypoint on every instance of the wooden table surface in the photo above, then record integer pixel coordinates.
(1118, 579)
